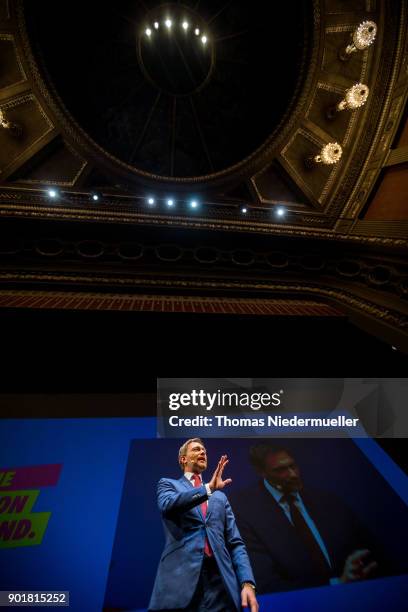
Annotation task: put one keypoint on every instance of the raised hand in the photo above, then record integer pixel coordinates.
(216, 483)
(356, 566)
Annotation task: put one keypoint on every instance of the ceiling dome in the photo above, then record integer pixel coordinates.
(176, 90)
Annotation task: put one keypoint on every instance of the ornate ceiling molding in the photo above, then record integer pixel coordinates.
(322, 251)
(330, 200)
(89, 149)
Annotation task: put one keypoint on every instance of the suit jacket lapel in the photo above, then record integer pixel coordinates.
(183, 480)
(188, 485)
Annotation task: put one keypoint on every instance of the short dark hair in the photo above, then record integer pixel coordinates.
(259, 452)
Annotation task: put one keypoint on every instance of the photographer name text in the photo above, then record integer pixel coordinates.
(269, 421)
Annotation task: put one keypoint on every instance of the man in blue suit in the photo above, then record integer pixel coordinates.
(298, 538)
(204, 565)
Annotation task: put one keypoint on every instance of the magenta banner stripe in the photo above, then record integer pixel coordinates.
(31, 477)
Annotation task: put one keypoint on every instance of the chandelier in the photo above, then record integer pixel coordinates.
(354, 98)
(8, 125)
(362, 38)
(330, 154)
(3, 123)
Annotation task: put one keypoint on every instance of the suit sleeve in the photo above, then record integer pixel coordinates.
(172, 502)
(236, 547)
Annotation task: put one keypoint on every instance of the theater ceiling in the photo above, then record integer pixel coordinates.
(189, 155)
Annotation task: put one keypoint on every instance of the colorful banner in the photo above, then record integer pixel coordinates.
(19, 526)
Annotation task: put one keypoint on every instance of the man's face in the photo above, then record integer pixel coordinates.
(195, 459)
(282, 472)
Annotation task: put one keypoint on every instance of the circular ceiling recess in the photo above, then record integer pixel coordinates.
(180, 90)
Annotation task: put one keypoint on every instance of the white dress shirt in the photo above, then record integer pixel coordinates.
(189, 476)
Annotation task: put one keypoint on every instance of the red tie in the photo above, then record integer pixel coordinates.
(198, 483)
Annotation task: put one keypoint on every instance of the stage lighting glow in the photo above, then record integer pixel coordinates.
(148, 32)
(197, 32)
(52, 193)
(244, 210)
(280, 212)
(156, 25)
(185, 25)
(168, 23)
(151, 201)
(203, 39)
(95, 197)
(170, 202)
(193, 204)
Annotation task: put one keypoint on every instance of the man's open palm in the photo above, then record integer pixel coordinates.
(216, 483)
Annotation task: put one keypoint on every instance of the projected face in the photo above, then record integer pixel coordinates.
(282, 471)
(195, 459)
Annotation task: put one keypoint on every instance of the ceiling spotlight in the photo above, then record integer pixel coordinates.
(185, 25)
(168, 23)
(203, 39)
(95, 197)
(170, 202)
(151, 201)
(156, 25)
(244, 210)
(194, 204)
(197, 32)
(52, 193)
(148, 32)
(280, 211)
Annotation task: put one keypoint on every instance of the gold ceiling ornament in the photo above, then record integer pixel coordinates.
(330, 154)
(354, 98)
(8, 125)
(3, 123)
(362, 38)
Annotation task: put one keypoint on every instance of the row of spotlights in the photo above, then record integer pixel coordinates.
(168, 23)
(170, 203)
(53, 193)
(280, 212)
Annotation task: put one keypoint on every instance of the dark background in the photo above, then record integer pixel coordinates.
(124, 353)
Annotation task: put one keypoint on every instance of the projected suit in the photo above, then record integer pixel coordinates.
(319, 543)
(181, 580)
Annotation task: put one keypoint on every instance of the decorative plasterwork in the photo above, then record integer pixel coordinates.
(388, 111)
(81, 165)
(33, 133)
(342, 194)
(301, 178)
(353, 116)
(38, 207)
(10, 39)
